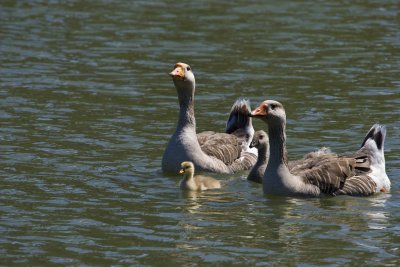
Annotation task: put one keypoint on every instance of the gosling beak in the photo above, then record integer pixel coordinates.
(252, 144)
(181, 171)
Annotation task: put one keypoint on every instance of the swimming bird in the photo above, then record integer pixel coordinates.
(359, 174)
(198, 182)
(261, 142)
(209, 151)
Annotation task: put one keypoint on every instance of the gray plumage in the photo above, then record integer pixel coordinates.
(360, 174)
(209, 151)
(261, 142)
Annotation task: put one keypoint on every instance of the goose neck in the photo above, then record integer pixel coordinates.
(263, 153)
(186, 109)
(277, 142)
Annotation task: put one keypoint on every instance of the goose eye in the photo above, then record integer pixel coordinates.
(188, 68)
(273, 106)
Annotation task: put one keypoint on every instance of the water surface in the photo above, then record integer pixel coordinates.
(87, 107)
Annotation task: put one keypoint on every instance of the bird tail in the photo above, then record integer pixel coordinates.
(239, 116)
(377, 135)
(371, 152)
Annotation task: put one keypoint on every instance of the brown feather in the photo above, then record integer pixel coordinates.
(329, 174)
(358, 186)
(227, 148)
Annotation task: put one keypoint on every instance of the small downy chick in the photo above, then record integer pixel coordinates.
(261, 142)
(198, 182)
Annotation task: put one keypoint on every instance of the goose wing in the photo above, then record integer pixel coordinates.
(225, 147)
(204, 136)
(359, 185)
(344, 175)
(329, 174)
(311, 160)
(245, 162)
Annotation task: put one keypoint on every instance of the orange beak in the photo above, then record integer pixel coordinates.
(261, 111)
(178, 72)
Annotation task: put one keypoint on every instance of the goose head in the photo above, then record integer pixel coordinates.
(270, 111)
(187, 169)
(260, 139)
(183, 77)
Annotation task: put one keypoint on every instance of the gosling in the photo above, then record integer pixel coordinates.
(198, 182)
(261, 142)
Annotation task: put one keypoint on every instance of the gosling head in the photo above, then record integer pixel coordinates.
(187, 167)
(260, 139)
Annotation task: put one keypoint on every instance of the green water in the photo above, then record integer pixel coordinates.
(87, 107)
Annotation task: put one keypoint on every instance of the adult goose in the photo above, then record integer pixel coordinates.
(261, 142)
(360, 174)
(196, 183)
(216, 152)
